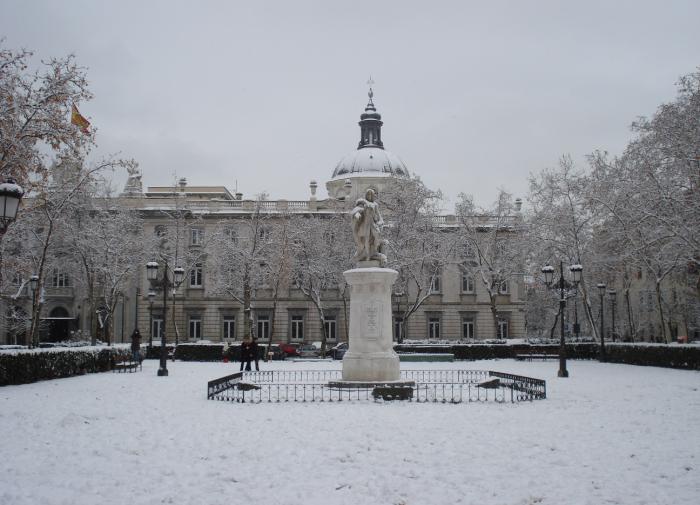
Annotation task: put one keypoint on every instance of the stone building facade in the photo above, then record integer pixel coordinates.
(459, 308)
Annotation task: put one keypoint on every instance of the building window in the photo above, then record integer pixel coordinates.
(157, 328)
(230, 234)
(330, 326)
(502, 328)
(503, 288)
(197, 236)
(467, 327)
(398, 329)
(60, 279)
(435, 284)
(434, 328)
(263, 327)
(467, 283)
(297, 328)
(195, 327)
(196, 276)
(229, 328)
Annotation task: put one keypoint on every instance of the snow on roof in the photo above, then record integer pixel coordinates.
(370, 159)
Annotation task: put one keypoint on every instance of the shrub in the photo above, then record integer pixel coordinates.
(24, 367)
(671, 356)
(199, 352)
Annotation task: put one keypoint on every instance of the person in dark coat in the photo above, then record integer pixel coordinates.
(246, 353)
(136, 346)
(254, 354)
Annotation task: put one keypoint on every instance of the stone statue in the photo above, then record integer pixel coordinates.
(367, 226)
(133, 186)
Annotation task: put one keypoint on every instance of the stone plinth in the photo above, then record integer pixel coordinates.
(370, 356)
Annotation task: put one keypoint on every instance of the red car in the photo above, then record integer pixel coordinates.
(289, 350)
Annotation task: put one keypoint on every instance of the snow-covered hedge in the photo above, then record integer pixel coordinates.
(23, 367)
(669, 356)
(154, 352)
(217, 352)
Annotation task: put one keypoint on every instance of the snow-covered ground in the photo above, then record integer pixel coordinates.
(610, 434)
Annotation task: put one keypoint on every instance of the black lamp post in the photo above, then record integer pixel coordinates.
(601, 290)
(178, 276)
(576, 271)
(33, 285)
(151, 296)
(10, 196)
(613, 301)
(548, 272)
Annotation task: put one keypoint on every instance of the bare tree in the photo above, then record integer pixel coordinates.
(417, 245)
(242, 259)
(108, 242)
(491, 245)
(35, 114)
(322, 251)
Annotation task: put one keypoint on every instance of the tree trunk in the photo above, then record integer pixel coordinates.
(554, 327)
(272, 326)
(630, 322)
(324, 337)
(589, 312)
(345, 313)
(247, 315)
(494, 313)
(661, 311)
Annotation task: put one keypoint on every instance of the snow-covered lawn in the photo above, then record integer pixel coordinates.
(608, 434)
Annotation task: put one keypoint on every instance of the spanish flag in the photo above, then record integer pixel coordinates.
(78, 120)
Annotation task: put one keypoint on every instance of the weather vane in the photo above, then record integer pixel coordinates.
(370, 83)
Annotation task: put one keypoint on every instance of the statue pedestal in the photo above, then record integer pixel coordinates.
(370, 356)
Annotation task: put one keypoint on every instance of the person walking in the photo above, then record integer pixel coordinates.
(136, 346)
(254, 354)
(246, 353)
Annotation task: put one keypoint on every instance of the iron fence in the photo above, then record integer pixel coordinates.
(429, 386)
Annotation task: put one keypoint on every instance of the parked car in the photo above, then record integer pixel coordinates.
(289, 350)
(309, 351)
(338, 350)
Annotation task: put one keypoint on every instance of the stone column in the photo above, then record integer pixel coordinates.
(370, 357)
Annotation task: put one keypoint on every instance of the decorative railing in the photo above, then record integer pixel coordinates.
(419, 386)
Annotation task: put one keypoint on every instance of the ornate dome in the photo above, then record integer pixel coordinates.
(373, 160)
(370, 157)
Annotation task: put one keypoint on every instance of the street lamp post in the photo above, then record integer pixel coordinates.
(601, 290)
(178, 276)
(10, 196)
(151, 297)
(576, 271)
(613, 301)
(548, 272)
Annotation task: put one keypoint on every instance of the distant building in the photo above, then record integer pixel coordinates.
(458, 309)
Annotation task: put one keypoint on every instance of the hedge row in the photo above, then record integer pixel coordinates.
(215, 352)
(32, 366)
(154, 352)
(669, 356)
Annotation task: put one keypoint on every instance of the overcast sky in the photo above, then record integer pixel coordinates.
(267, 94)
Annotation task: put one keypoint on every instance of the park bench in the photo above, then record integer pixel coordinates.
(127, 366)
(533, 355)
(424, 356)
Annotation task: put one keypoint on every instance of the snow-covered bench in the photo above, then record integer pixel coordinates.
(531, 356)
(127, 366)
